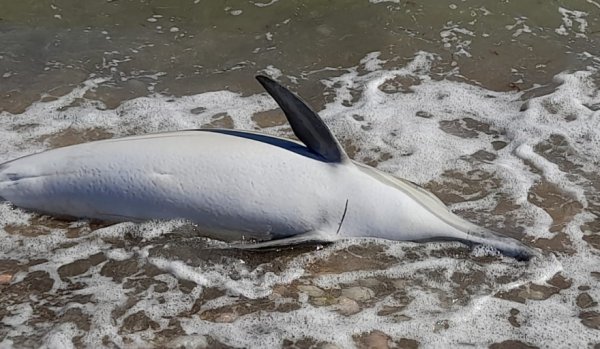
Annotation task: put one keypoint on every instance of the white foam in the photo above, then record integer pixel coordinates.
(60, 337)
(252, 284)
(272, 71)
(570, 16)
(372, 62)
(519, 26)
(457, 39)
(20, 314)
(189, 341)
(264, 4)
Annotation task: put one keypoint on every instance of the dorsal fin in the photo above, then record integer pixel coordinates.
(306, 124)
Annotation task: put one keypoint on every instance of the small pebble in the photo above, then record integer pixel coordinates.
(347, 306)
(584, 300)
(226, 318)
(311, 291)
(376, 339)
(5, 279)
(358, 293)
(328, 346)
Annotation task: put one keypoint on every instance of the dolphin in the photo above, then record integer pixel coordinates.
(240, 185)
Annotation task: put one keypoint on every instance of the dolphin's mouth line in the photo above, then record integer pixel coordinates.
(16, 177)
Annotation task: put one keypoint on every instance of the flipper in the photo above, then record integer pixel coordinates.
(306, 124)
(308, 237)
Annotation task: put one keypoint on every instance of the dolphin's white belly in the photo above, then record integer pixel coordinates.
(243, 182)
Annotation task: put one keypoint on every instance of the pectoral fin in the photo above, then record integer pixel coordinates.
(306, 238)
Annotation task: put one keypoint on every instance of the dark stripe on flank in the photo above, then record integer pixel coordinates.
(274, 141)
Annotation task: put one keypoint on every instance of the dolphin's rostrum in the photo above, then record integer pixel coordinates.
(239, 184)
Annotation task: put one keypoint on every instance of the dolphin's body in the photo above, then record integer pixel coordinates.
(239, 185)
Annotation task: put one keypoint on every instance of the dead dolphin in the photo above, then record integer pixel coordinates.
(240, 185)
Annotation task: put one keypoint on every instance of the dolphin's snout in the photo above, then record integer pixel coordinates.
(516, 249)
(525, 255)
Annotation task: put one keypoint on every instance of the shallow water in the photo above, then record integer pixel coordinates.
(495, 109)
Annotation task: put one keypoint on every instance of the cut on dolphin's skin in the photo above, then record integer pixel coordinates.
(239, 185)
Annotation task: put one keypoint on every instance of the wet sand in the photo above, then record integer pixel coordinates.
(199, 47)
